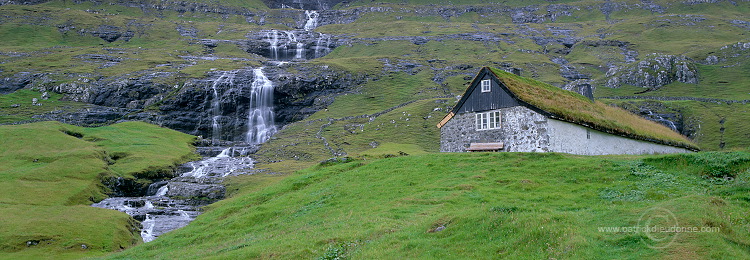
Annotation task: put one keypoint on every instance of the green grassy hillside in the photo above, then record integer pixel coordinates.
(462, 36)
(417, 57)
(476, 206)
(51, 172)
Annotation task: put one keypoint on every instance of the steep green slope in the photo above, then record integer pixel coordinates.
(51, 172)
(478, 205)
(407, 51)
(416, 57)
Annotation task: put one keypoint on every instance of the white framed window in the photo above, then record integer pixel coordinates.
(486, 85)
(488, 120)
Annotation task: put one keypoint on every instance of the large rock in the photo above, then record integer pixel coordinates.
(195, 190)
(18, 81)
(111, 33)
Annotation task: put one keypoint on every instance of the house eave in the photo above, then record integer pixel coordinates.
(445, 119)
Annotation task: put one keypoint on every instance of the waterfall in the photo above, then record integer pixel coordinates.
(660, 119)
(299, 47)
(226, 78)
(229, 124)
(172, 204)
(162, 191)
(312, 20)
(260, 121)
(321, 45)
(295, 45)
(273, 40)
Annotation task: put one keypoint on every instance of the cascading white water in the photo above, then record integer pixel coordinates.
(299, 47)
(273, 40)
(660, 119)
(260, 121)
(226, 77)
(260, 117)
(299, 44)
(165, 210)
(162, 191)
(221, 165)
(321, 45)
(148, 229)
(164, 207)
(312, 20)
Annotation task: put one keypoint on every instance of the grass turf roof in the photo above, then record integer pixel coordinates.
(572, 107)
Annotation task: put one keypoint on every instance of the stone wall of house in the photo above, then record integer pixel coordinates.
(566, 137)
(522, 130)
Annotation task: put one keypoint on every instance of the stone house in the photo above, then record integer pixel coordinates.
(501, 111)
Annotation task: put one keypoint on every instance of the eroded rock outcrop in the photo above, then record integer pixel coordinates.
(297, 45)
(111, 33)
(191, 107)
(18, 81)
(654, 71)
(195, 190)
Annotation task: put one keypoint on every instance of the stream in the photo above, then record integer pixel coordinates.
(172, 204)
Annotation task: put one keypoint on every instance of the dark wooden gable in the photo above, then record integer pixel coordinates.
(475, 100)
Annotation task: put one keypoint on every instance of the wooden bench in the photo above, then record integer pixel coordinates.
(485, 147)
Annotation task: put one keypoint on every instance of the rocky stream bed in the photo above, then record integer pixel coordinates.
(172, 204)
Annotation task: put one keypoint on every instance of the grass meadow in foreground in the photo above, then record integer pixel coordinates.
(478, 205)
(51, 172)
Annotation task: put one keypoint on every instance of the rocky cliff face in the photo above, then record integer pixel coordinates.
(668, 116)
(654, 71)
(189, 108)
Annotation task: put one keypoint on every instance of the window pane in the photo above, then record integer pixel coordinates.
(495, 119)
(486, 85)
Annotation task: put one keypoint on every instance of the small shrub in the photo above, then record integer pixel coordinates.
(723, 165)
(504, 209)
(336, 160)
(333, 253)
(710, 165)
